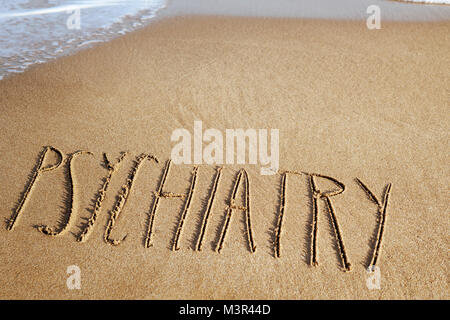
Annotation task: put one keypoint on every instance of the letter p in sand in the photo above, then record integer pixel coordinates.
(36, 174)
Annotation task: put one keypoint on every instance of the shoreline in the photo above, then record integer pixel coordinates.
(169, 16)
(348, 10)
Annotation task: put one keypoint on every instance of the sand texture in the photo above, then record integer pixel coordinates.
(368, 108)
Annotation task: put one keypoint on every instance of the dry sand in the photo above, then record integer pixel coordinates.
(349, 102)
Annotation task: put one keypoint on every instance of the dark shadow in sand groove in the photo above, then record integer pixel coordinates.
(64, 222)
(33, 177)
(184, 213)
(375, 240)
(309, 227)
(157, 196)
(246, 209)
(202, 226)
(279, 220)
(272, 232)
(99, 197)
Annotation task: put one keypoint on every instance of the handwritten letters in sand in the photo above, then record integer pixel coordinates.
(241, 187)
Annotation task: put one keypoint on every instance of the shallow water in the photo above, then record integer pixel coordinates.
(324, 9)
(36, 31)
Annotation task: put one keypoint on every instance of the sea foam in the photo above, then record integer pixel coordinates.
(36, 31)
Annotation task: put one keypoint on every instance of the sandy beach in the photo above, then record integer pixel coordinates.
(350, 103)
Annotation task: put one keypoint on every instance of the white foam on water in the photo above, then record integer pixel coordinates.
(36, 31)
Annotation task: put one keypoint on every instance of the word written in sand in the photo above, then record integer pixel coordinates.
(241, 186)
